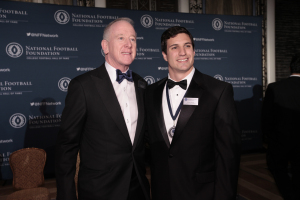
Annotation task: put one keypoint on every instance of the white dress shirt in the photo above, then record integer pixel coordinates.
(125, 93)
(176, 94)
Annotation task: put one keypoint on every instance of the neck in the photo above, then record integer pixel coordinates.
(178, 76)
(122, 68)
(297, 74)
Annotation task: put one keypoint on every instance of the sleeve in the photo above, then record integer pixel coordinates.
(227, 146)
(68, 141)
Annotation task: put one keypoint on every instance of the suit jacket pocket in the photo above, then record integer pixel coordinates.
(205, 177)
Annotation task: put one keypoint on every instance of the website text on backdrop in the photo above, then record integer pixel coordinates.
(281, 117)
(193, 129)
(104, 119)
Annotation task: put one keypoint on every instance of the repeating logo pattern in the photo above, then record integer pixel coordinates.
(217, 24)
(63, 84)
(14, 50)
(219, 77)
(17, 120)
(61, 17)
(147, 21)
(149, 79)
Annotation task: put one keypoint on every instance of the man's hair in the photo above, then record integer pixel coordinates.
(295, 63)
(172, 32)
(106, 31)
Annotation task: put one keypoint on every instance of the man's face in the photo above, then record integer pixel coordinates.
(120, 49)
(180, 54)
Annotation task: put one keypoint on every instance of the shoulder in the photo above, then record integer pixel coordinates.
(278, 85)
(157, 84)
(87, 75)
(210, 83)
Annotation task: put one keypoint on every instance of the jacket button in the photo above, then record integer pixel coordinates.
(170, 155)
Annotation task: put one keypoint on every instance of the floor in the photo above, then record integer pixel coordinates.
(255, 181)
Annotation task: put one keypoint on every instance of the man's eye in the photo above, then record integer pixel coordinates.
(133, 39)
(121, 38)
(174, 48)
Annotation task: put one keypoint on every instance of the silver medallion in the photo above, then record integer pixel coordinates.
(171, 131)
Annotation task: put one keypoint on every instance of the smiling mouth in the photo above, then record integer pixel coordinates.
(126, 53)
(182, 60)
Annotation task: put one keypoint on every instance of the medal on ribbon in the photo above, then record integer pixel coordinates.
(171, 131)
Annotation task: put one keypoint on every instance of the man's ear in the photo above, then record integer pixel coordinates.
(165, 56)
(104, 45)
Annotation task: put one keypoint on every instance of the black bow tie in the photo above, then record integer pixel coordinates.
(182, 84)
(121, 76)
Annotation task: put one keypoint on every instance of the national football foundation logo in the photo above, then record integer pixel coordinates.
(149, 79)
(219, 77)
(217, 24)
(63, 84)
(61, 17)
(17, 120)
(147, 21)
(14, 50)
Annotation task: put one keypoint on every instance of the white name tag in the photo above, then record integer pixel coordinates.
(190, 101)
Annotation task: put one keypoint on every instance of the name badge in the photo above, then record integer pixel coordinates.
(190, 101)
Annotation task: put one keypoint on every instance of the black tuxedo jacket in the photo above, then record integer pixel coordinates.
(92, 122)
(202, 161)
(281, 113)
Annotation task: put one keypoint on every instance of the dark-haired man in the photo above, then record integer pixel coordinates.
(281, 117)
(193, 129)
(104, 119)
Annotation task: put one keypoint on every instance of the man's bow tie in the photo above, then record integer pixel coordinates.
(182, 84)
(121, 76)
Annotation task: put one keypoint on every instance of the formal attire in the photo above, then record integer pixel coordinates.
(103, 119)
(201, 160)
(281, 117)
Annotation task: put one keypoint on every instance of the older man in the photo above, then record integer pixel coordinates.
(104, 119)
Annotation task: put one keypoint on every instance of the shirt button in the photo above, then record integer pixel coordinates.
(170, 155)
(127, 121)
(124, 89)
(126, 105)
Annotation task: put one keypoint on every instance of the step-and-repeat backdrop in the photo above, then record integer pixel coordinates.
(42, 47)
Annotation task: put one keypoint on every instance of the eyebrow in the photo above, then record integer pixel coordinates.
(177, 44)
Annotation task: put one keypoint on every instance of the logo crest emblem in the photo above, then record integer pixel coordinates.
(219, 77)
(217, 24)
(63, 84)
(147, 21)
(149, 79)
(17, 120)
(14, 50)
(61, 17)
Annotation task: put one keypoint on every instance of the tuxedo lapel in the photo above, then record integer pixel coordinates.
(157, 99)
(194, 91)
(109, 98)
(140, 87)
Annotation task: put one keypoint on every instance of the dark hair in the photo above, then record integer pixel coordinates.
(172, 32)
(295, 64)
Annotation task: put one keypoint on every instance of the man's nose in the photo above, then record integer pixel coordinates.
(182, 51)
(128, 42)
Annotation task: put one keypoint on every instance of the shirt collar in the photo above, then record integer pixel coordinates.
(188, 77)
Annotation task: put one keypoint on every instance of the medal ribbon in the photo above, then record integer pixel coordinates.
(170, 108)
